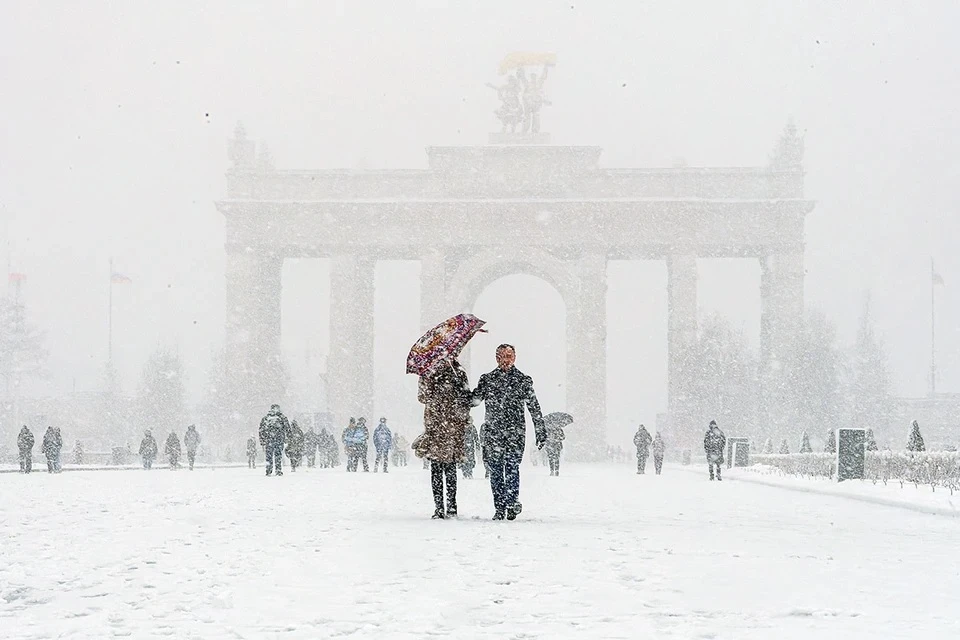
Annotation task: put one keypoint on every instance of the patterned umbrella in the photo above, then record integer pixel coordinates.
(443, 341)
(559, 418)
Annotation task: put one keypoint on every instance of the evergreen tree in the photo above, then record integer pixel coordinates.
(21, 346)
(160, 399)
(871, 442)
(784, 448)
(805, 444)
(817, 375)
(768, 446)
(831, 446)
(870, 389)
(916, 440)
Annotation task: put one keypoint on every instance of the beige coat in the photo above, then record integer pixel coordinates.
(445, 395)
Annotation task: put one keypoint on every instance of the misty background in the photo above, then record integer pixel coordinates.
(116, 118)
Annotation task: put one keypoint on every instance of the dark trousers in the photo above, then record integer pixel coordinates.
(251, 460)
(147, 463)
(438, 472)
(273, 451)
(641, 463)
(712, 465)
(554, 460)
(658, 463)
(381, 456)
(505, 481)
(191, 458)
(174, 461)
(26, 462)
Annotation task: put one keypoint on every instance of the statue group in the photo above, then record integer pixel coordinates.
(521, 98)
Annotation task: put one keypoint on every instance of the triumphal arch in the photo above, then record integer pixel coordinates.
(515, 205)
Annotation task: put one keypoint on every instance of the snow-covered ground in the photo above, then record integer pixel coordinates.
(597, 553)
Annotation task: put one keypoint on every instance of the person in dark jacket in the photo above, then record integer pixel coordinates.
(363, 433)
(505, 392)
(554, 446)
(714, 443)
(274, 430)
(251, 453)
(350, 438)
(51, 446)
(471, 440)
(445, 396)
(382, 443)
(172, 450)
(310, 443)
(148, 449)
(658, 449)
(191, 440)
(295, 446)
(642, 440)
(25, 443)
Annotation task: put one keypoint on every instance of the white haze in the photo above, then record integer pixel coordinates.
(115, 118)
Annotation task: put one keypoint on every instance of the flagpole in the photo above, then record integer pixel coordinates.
(933, 330)
(110, 320)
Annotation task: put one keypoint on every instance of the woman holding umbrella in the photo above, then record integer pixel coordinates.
(444, 392)
(555, 423)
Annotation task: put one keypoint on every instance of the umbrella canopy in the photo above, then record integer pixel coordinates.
(558, 418)
(525, 58)
(444, 341)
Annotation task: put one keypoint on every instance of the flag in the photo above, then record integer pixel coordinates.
(935, 276)
(17, 277)
(119, 278)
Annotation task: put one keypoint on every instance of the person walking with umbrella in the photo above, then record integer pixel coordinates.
(555, 423)
(444, 391)
(505, 392)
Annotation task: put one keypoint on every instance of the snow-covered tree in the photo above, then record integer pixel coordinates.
(784, 447)
(805, 444)
(817, 373)
(871, 441)
(871, 402)
(916, 440)
(160, 400)
(831, 446)
(22, 354)
(768, 445)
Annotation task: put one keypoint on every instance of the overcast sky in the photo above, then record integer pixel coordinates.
(115, 117)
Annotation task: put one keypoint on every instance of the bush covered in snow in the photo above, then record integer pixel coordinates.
(929, 468)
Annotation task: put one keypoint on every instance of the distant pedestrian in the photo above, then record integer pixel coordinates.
(554, 446)
(329, 453)
(362, 450)
(51, 446)
(400, 446)
(148, 449)
(505, 392)
(382, 443)
(714, 443)
(25, 443)
(355, 438)
(172, 450)
(310, 444)
(445, 396)
(658, 448)
(191, 440)
(642, 440)
(274, 431)
(251, 453)
(471, 441)
(295, 446)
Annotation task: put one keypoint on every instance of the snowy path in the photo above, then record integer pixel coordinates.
(597, 553)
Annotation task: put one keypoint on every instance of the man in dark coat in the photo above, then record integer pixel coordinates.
(148, 449)
(191, 440)
(274, 430)
(382, 443)
(172, 450)
(295, 445)
(505, 391)
(714, 443)
(25, 447)
(642, 440)
(51, 449)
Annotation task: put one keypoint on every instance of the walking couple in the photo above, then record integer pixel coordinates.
(447, 398)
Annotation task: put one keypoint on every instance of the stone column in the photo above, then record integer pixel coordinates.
(252, 349)
(433, 289)
(781, 321)
(681, 338)
(587, 359)
(350, 364)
